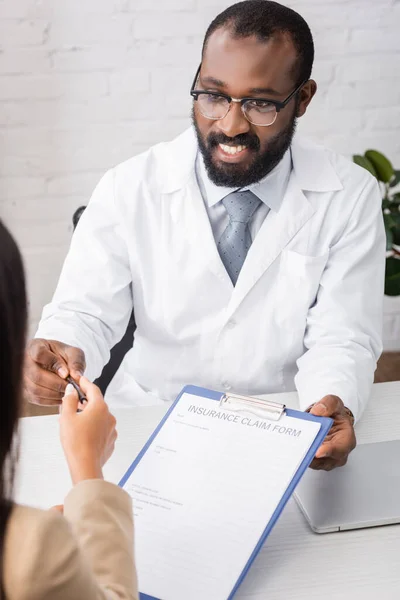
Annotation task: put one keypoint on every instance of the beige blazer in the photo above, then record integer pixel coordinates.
(87, 554)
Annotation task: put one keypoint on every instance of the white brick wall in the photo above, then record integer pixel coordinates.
(79, 88)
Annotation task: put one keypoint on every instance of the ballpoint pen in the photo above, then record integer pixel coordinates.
(82, 397)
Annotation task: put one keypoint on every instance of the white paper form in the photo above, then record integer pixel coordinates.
(204, 492)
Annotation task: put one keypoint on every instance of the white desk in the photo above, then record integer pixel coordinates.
(294, 563)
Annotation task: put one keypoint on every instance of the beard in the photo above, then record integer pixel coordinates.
(233, 175)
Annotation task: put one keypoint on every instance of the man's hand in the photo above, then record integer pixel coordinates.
(47, 364)
(341, 439)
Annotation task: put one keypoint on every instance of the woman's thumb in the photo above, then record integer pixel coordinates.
(71, 400)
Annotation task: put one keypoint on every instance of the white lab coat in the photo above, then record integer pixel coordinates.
(306, 310)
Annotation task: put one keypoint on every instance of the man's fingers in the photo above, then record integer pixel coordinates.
(341, 445)
(48, 388)
(44, 401)
(326, 407)
(45, 379)
(323, 464)
(47, 365)
(42, 386)
(42, 354)
(326, 450)
(319, 410)
(70, 401)
(327, 464)
(341, 439)
(57, 357)
(75, 359)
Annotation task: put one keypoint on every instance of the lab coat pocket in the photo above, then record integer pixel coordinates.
(298, 283)
(304, 266)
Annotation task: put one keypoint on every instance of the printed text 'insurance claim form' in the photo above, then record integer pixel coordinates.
(204, 492)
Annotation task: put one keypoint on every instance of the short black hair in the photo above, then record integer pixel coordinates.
(263, 19)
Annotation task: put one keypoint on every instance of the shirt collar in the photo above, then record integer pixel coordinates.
(315, 168)
(270, 190)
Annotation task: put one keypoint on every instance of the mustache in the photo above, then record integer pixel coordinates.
(243, 139)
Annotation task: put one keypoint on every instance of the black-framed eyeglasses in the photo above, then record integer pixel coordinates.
(258, 111)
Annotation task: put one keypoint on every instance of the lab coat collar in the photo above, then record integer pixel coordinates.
(313, 168)
(311, 164)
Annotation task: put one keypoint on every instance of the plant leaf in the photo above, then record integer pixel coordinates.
(389, 239)
(390, 221)
(362, 161)
(396, 179)
(392, 277)
(382, 165)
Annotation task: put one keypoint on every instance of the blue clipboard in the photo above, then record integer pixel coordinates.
(325, 424)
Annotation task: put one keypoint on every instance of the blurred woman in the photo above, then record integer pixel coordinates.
(86, 553)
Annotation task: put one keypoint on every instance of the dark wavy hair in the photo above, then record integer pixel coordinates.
(13, 319)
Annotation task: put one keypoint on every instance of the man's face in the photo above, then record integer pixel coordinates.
(247, 68)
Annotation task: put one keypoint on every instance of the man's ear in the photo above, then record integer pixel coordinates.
(306, 94)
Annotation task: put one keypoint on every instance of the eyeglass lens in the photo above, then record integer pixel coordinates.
(257, 112)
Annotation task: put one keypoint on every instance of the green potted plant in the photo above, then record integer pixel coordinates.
(389, 182)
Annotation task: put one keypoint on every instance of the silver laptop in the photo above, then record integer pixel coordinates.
(364, 493)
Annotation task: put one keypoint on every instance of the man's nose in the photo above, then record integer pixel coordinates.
(234, 122)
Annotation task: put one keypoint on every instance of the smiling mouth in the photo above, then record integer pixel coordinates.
(232, 150)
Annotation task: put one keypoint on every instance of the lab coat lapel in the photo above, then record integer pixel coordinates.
(198, 231)
(178, 176)
(275, 233)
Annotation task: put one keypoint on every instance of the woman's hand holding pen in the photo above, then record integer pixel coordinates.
(88, 437)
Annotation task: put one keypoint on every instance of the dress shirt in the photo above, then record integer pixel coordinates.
(270, 190)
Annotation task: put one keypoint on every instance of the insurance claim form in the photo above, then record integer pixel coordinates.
(204, 492)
